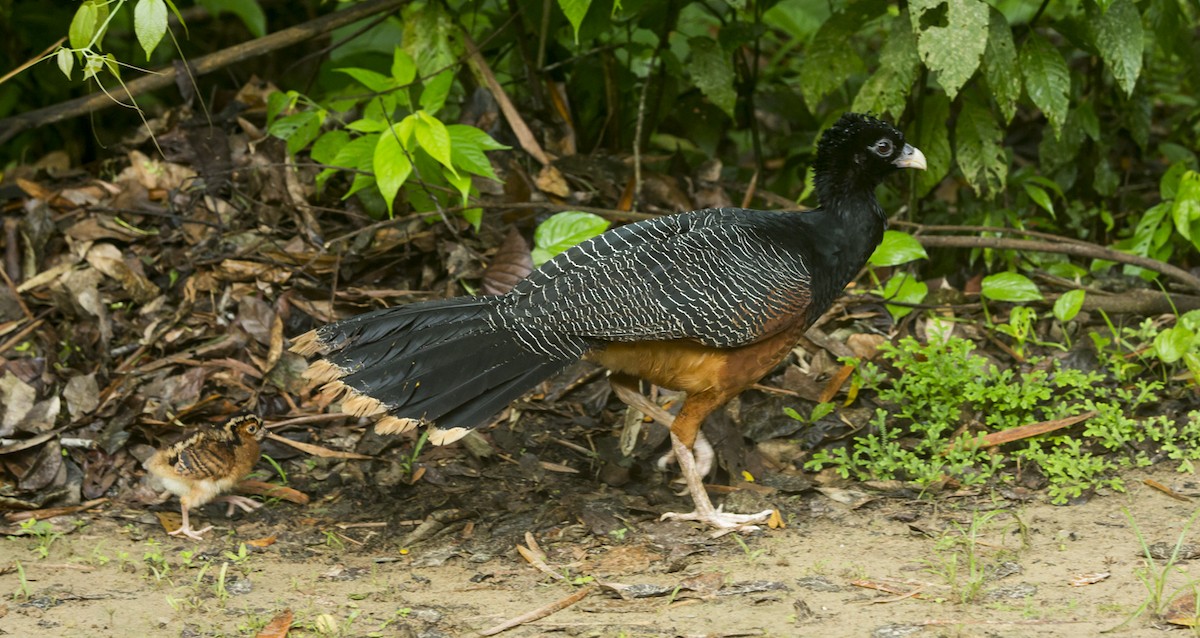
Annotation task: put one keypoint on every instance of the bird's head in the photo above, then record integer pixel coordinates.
(858, 151)
(247, 426)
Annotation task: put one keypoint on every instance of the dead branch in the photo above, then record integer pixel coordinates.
(164, 77)
(540, 612)
(1089, 251)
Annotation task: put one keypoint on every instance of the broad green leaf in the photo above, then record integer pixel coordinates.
(298, 129)
(327, 147)
(1185, 211)
(474, 216)
(886, 91)
(65, 60)
(1118, 36)
(1047, 79)
(358, 154)
(1171, 344)
(904, 288)
(84, 24)
(563, 230)
(933, 138)
(951, 51)
(828, 61)
(1068, 304)
(433, 96)
(247, 11)
(712, 72)
(150, 23)
(467, 146)
(392, 166)
(404, 68)
(368, 125)
(1168, 186)
(575, 10)
(1039, 197)
(434, 139)
(978, 143)
(460, 181)
(428, 30)
(1000, 65)
(373, 80)
(897, 248)
(1010, 286)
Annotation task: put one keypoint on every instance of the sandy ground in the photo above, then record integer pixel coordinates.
(967, 566)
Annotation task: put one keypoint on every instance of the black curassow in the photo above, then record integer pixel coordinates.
(706, 302)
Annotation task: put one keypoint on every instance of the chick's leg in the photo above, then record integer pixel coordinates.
(244, 503)
(683, 436)
(185, 528)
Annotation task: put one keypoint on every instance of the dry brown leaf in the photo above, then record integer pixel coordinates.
(279, 626)
(170, 520)
(265, 541)
(82, 394)
(271, 490)
(107, 259)
(1182, 611)
(551, 181)
(244, 270)
(511, 263)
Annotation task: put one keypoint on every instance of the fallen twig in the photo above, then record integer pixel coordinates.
(540, 612)
(317, 450)
(1032, 429)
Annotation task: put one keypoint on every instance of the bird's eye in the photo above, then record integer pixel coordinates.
(883, 147)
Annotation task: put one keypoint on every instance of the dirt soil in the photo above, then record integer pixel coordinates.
(441, 560)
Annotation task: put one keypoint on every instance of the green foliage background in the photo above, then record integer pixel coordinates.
(1073, 117)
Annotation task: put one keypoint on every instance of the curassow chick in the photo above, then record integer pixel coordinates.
(210, 461)
(706, 302)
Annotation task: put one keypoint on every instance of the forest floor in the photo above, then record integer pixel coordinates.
(847, 564)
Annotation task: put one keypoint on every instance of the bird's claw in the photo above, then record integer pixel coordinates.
(724, 522)
(244, 503)
(194, 534)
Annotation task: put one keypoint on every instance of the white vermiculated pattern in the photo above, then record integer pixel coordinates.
(715, 276)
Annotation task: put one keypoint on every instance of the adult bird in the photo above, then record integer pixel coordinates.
(707, 302)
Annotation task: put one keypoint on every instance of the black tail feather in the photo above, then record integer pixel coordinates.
(441, 361)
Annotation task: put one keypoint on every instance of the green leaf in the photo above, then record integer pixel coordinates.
(298, 129)
(427, 37)
(1068, 304)
(897, 248)
(1047, 79)
(951, 51)
(467, 146)
(460, 181)
(368, 126)
(1010, 286)
(1000, 65)
(247, 11)
(404, 68)
(436, 89)
(828, 61)
(563, 230)
(978, 143)
(327, 147)
(904, 288)
(1171, 344)
(1185, 211)
(1117, 35)
(474, 216)
(712, 72)
(150, 23)
(933, 138)
(65, 60)
(886, 91)
(1039, 197)
(373, 80)
(575, 10)
(84, 24)
(392, 166)
(434, 139)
